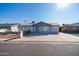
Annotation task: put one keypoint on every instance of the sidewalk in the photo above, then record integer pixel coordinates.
(3, 39)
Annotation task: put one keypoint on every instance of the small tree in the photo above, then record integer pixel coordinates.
(33, 22)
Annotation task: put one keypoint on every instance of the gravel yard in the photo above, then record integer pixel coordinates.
(8, 37)
(50, 37)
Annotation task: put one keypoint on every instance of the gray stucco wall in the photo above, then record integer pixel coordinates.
(41, 29)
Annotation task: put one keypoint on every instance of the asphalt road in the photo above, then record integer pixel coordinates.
(39, 49)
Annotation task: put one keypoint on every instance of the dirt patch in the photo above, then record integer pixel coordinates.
(9, 36)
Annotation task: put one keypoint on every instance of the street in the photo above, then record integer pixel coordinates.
(39, 49)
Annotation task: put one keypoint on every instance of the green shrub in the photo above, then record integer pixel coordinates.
(7, 32)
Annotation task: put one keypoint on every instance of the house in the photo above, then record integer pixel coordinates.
(40, 27)
(70, 27)
(8, 27)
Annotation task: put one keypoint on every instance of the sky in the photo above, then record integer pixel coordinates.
(46, 12)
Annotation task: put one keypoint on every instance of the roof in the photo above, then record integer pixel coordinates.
(44, 24)
(54, 23)
(28, 25)
(74, 24)
(7, 25)
(23, 25)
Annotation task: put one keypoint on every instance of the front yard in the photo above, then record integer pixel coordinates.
(8, 37)
(74, 34)
(50, 37)
(64, 37)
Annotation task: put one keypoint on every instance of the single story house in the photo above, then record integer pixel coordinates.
(40, 27)
(70, 27)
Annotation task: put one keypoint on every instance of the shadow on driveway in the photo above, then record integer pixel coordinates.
(40, 34)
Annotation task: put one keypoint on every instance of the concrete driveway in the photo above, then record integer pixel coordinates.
(50, 37)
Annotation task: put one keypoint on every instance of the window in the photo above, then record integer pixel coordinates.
(45, 28)
(21, 28)
(74, 28)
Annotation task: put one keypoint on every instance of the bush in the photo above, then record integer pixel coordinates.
(7, 32)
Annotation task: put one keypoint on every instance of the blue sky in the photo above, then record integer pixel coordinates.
(47, 12)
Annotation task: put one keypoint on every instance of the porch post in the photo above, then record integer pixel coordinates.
(21, 33)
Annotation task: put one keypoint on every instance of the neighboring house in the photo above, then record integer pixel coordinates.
(70, 27)
(40, 27)
(14, 28)
(10, 27)
(3, 30)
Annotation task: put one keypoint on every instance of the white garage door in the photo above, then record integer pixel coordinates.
(54, 29)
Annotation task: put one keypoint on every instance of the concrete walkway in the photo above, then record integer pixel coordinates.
(50, 37)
